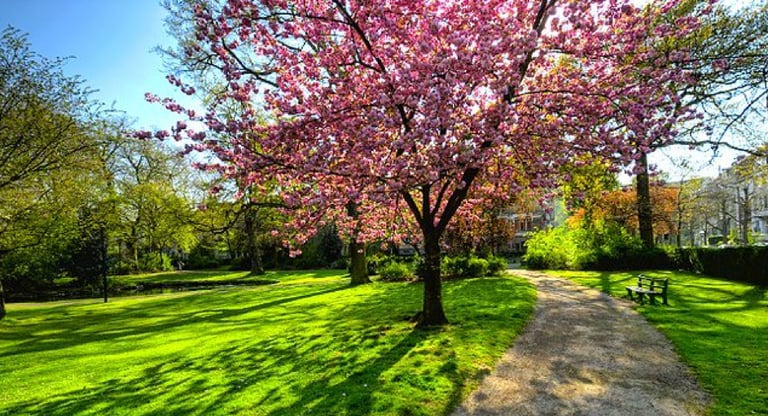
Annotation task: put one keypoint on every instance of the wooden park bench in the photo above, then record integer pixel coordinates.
(650, 286)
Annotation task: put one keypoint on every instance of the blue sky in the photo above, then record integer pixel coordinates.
(111, 43)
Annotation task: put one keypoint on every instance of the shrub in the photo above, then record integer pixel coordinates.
(419, 267)
(376, 262)
(396, 272)
(471, 266)
(200, 261)
(477, 267)
(554, 248)
(601, 246)
(340, 264)
(155, 262)
(454, 266)
(496, 265)
(633, 259)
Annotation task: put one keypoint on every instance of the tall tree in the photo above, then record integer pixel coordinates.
(152, 184)
(741, 183)
(414, 102)
(44, 119)
(621, 206)
(728, 61)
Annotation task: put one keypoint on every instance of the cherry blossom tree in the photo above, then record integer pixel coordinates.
(412, 104)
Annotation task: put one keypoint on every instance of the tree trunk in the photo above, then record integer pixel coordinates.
(746, 220)
(134, 244)
(254, 254)
(2, 301)
(679, 236)
(725, 223)
(432, 313)
(103, 265)
(358, 269)
(358, 266)
(644, 206)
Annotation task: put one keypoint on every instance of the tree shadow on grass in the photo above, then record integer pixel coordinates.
(358, 357)
(725, 340)
(129, 322)
(606, 285)
(353, 395)
(708, 295)
(610, 285)
(228, 383)
(231, 380)
(755, 296)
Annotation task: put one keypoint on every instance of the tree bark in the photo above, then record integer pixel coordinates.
(746, 217)
(358, 269)
(103, 265)
(2, 301)
(432, 313)
(358, 266)
(725, 228)
(254, 254)
(679, 237)
(644, 206)
(432, 229)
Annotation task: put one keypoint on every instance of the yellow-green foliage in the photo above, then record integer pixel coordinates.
(575, 245)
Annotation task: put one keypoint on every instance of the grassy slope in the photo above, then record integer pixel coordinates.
(285, 349)
(720, 328)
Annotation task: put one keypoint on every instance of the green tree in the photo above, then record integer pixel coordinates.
(728, 55)
(45, 117)
(590, 180)
(154, 202)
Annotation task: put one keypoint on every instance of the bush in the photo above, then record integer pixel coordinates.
(376, 261)
(477, 267)
(602, 246)
(635, 259)
(396, 272)
(200, 262)
(496, 265)
(554, 248)
(454, 266)
(340, 264)
(155, 262)
(471, 266)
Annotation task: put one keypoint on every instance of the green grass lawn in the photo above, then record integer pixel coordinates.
(290, 348)
(720, 328)
(300, 276)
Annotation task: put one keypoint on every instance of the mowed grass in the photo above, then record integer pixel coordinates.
(719, 327)
(320, 349)
(301, 276)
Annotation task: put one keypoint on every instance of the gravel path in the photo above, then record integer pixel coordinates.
(585, 353)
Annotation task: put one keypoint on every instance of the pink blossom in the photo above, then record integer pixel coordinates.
(419, 108)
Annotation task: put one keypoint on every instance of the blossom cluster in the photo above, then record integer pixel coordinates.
(431, 104)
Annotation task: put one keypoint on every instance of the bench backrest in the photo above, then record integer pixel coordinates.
(652, 283)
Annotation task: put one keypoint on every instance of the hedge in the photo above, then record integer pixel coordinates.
(743, 264)
(633, 259)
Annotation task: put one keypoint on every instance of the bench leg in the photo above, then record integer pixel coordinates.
(629, 293)
(653, 298)
(640, 296)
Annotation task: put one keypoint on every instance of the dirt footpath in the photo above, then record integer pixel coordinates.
(585, 353)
